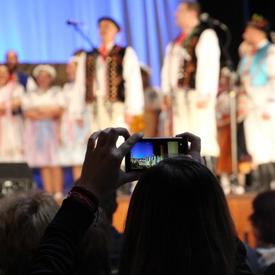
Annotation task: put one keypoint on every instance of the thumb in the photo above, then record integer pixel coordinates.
(129, 177)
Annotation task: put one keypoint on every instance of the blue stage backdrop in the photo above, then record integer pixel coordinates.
(37, 28)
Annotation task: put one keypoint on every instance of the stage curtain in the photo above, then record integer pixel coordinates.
(37, 28)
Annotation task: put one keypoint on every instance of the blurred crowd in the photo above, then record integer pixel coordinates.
(47, 125)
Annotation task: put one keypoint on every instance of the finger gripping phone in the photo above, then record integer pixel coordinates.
(150, 151)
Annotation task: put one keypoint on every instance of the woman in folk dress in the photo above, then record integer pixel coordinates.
(43, 108)
(75, 125)
(11, 123)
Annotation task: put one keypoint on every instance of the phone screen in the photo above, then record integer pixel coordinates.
(149, 152)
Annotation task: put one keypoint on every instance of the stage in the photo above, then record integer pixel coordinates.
(240, 207)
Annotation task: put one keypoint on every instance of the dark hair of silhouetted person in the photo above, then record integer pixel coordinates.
(23, 220)
(263, 217)
(178, 223)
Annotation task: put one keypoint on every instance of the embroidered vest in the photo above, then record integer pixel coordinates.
(258, 71)
(188, 70)
(115, 81)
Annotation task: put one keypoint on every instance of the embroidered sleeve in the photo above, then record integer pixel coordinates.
(208, 64)
(166, 71)
(134, 99)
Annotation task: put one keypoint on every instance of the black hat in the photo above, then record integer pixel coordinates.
(106, 18)
(259, 22)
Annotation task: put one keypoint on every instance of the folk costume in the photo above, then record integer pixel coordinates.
(191, 73)
(11, 124)
(42, 136)
(112, 80)
(257, 72)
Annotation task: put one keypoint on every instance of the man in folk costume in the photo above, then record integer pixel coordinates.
(112, 79)
(257, 72)
(190, 77)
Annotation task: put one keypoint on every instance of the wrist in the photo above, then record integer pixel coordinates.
(84, 185)
(85, 197)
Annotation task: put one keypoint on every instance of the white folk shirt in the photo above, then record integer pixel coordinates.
(53, 97)
(75, 104)
(134, 99)
(11, 125)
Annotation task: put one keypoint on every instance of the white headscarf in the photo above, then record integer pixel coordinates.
(47, 68)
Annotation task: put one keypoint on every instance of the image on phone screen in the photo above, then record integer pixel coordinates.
(149, 152)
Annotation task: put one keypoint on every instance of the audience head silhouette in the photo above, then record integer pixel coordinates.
(178, 223)
(23, 220)
(263, 218)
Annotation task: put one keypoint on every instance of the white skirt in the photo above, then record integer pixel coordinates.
(187, 117)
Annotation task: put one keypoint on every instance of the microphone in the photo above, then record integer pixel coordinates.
(205, 18)
(74, 22)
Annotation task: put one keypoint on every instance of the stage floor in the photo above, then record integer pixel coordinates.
(240, 208)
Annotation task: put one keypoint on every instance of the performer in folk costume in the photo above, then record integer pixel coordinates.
(42, 109)
(257, 71)
(12, 63)
(190, 76)
(75, 125)
(11, 122)
(112, 79)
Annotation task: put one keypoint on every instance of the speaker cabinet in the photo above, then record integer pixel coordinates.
(15, 177)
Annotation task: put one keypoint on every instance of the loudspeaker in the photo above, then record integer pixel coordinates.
(15, 177)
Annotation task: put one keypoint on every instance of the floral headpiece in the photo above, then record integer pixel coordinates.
(259, 22)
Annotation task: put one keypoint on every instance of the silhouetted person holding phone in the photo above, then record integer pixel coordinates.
(186, 228)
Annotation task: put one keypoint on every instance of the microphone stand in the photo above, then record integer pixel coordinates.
(233, 111)
(83, 35)
(233, 135)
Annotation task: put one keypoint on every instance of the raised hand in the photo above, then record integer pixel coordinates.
(194, 149)
(101, 173)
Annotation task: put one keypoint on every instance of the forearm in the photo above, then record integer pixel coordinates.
(49, 113)
(32, 114)
(16, 105)
(2, 109)
(39, 114)
(13, 106)
(56, 254)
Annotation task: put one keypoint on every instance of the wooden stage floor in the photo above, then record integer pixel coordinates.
(240, 207)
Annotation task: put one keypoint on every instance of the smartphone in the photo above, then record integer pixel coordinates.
(150, 151)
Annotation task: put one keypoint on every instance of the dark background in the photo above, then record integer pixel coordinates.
(235, 14)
